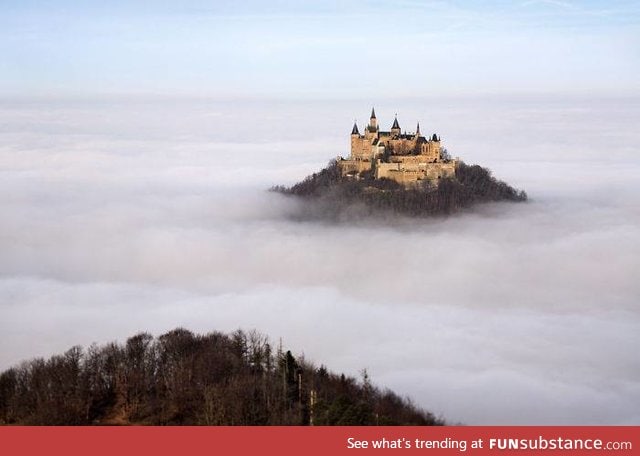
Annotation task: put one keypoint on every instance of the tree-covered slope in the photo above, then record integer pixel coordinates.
(181, 378)
(331, 195)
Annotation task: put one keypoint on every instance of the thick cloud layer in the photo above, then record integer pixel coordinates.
(121, 216)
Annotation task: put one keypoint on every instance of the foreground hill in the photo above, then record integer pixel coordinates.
(333, 196)
(181, 378)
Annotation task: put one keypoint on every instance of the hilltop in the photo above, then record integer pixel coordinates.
(181, 378)
(398, 173)
(333, 196)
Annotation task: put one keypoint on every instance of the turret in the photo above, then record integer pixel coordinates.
(373, 122)
(435, 146)
(356, 140)
(395, 128)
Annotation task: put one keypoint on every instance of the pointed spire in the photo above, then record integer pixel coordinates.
(418, 129)
(355, 131)
(395, 123)
(373, 122)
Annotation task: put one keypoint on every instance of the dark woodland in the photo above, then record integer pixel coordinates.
(181, 378)
(333, 196)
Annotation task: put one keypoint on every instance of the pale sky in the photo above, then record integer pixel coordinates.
(310, 48)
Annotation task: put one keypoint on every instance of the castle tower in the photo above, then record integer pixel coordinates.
(371, 132)
(355, 138)
(373, 122)
(435, 145)
(395, 128)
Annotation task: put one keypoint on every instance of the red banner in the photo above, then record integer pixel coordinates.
(305, 441)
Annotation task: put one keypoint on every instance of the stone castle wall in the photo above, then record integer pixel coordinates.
(354, 167)
(361, 149)
(404, 173)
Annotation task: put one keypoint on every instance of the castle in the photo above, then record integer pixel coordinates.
(405, 158)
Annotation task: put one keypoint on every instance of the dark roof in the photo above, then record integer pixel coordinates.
(395, 124)
(355, 131)
(373, 113)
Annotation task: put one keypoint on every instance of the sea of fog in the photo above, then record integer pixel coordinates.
(120, 215)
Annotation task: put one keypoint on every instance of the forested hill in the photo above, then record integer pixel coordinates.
(331, 196)
(181, 378)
